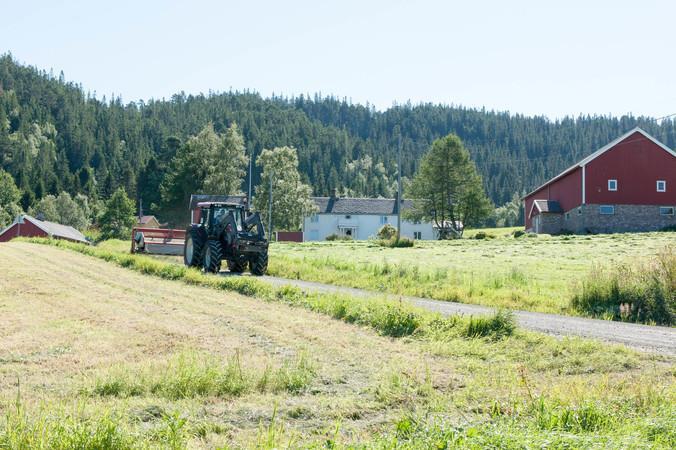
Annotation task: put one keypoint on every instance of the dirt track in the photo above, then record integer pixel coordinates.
(642, 337)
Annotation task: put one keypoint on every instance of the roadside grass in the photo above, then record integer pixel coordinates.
(540, 273)
(456, 382)
(638, 293)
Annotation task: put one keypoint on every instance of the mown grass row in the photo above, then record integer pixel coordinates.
(190, 375)
(388, 317)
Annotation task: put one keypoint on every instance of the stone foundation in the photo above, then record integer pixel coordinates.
(627, 218)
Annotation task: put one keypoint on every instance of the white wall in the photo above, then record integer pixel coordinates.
(364, 225)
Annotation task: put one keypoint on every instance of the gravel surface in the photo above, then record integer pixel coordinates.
(643, 337)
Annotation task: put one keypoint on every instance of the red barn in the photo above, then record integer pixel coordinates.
(628, 185)
(27, 226)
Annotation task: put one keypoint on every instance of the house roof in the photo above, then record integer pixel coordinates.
(200, 198)
(346, 205)
(601, 151)
(55, 230)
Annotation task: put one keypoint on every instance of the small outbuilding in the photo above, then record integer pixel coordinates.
(28, 226)
(147, 222)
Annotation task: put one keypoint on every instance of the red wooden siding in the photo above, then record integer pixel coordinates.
(567, 190)
(636, 163)
(26, 229)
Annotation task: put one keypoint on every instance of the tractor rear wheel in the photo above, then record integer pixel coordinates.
(259, 264)
(236, 267)
(213, 253)
(192, 248)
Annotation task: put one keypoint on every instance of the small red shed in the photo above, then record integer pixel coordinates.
(627, 185)
(28, 226)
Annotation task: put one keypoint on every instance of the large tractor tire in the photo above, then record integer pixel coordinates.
(236, 267)
(213, 254)
(259, 264)
(193, 247)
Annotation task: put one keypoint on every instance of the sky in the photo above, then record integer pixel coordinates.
(529, 57)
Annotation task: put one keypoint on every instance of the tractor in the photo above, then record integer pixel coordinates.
(230, 232)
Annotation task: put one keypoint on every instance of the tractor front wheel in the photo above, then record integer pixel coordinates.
(192, 248)
(213, 253)
(259, 264)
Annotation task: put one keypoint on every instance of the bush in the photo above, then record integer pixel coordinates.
(387, 231)
(644, 293)
(518, 233)
(669, 228)
(483, 235)
(338, 237)
(396, 243)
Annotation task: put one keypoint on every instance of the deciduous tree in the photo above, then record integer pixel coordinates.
(290, 196)
(447, 188)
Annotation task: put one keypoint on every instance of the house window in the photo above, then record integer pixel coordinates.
(348, 217)
(606, 209)
(383, 220)
(612, 185)
(567, 216)
(666, 210)
(417, 235)
(314, 218)
(661, 186)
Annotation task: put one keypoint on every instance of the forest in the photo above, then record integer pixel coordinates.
(56, 136)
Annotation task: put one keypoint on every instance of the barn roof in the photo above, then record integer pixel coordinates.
(346, 205)
(199, 198)
(601, 151)
(53, 230)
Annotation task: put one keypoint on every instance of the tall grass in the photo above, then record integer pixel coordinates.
(388, 317)
(639, 293)
(190, 374)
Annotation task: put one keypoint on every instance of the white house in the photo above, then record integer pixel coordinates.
(360, 218)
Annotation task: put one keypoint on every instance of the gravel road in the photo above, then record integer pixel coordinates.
(643, 337)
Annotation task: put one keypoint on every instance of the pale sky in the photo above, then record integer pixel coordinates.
(530, 57)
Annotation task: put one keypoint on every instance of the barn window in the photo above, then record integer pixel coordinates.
(383, 220)
(567, 216)
(606, 209)
(314, 218)
(666, 210)
(417, 235)
(612, 185)
(661, 186)
(348, 217)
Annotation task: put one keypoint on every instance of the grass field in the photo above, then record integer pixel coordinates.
(538, 273)
(93, 355)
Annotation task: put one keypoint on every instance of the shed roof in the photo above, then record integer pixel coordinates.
(347, 205)
(146, 219)
(548, 206)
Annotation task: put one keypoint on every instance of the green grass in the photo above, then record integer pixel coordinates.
(539, 273)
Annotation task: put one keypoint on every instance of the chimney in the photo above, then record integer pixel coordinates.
(334, 194)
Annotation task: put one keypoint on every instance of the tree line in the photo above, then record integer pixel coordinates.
(57, 137)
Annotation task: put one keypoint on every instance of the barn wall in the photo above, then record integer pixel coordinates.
(636, 163)
(26, 229)
(567, 190)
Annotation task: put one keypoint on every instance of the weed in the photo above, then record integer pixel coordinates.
(497, 326)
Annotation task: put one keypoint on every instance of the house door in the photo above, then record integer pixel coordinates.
(350, 232)
(536, 224)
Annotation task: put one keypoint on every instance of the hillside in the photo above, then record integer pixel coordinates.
(56, 136)
(133, 361)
